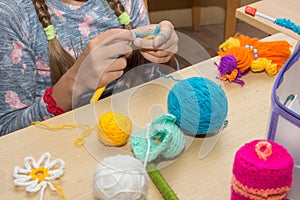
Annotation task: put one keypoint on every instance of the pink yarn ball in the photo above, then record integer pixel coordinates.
(254, 176)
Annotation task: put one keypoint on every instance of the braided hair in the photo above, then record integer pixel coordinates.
(61, 60)
(119, 9)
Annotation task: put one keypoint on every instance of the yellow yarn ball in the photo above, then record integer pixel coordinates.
(259, 64)
(114, 129)
(262, 64)
(271, 69)
(230, 43)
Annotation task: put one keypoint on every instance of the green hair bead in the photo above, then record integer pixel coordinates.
(124, 19)
(50, 32)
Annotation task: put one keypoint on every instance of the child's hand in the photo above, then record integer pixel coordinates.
(103, 60)
(162, 47)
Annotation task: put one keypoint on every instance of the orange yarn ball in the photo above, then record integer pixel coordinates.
(114, 129)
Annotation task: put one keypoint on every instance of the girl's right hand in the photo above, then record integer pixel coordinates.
(103, 61)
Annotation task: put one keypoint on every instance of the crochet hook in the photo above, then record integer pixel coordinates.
(253, 12)
(286, 23)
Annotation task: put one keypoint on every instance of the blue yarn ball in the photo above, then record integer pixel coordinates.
(199, 104)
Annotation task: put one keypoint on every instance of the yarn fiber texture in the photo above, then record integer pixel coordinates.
(244, 54)
(199, 105)
(120, 177)
(287, 23)
(114, 129)
(166, 139)
(257, 178)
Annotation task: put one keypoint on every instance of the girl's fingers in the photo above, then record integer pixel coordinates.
(119, 35)
(149, 43)
(143, 43)
(108, 66)
(159, 54)
(113, 36)
(162, 32)
(115, 69)
(118, 49)
(109, 77)
(113, 51)
(156, 59)
(165, 33)
(116, 64)
(157, 43)
(144, 30)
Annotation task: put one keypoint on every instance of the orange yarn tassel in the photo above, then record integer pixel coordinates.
(276, 51)
(245, 40)
(249, 51)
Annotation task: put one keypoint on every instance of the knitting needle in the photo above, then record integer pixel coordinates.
(97, 94)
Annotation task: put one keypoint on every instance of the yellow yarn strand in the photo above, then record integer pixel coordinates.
(50, 32)
(55, 128)
(149, 37)
(78, 141)
(230, 43)
(124, 19)
(262, 64)
(81, 140)
(61, 191)
(114, 129)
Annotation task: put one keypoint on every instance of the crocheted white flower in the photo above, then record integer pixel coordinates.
(38, 174)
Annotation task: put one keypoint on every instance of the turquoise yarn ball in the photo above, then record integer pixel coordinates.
(165, 137)
(199, 105)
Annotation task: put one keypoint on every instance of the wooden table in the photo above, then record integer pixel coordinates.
(189, 176)
(288, 9)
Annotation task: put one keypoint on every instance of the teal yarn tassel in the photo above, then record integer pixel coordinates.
(199, 105)
(161, 184)
(166, 140)
(286, 23)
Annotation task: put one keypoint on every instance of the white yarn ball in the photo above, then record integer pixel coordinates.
(120, 177)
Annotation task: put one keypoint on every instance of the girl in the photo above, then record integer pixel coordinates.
(52, 52)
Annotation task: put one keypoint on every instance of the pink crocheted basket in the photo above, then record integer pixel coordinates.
(262, 170)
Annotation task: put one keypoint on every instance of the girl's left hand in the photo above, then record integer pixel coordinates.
(161, 48)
